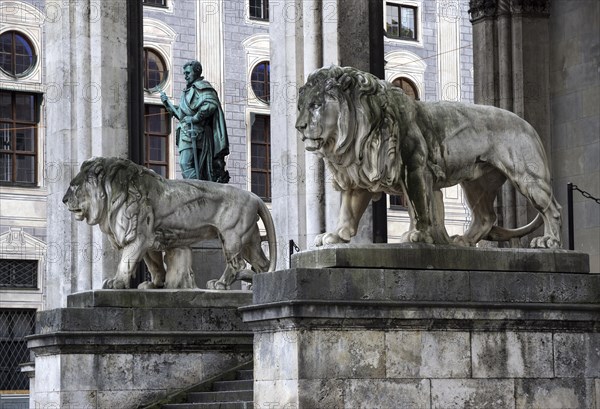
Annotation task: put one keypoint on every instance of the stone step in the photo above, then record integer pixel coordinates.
(221, 396)
(233, 385)
(245, 374)
(214, 405)
(235, 394)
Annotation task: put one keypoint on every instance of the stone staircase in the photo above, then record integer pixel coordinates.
(236, 393)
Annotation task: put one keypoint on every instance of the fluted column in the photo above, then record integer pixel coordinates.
(85, 63)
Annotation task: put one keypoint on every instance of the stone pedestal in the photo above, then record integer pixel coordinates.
(126, 348)
(417, 326)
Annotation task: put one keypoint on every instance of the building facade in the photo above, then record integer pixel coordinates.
(428, 52)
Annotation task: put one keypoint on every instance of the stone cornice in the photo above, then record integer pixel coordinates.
(482, 9)
(530, 7)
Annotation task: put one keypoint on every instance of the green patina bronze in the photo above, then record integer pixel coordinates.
(201, 134)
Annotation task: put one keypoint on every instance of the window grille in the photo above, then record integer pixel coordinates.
(15, 325)
(18, 274)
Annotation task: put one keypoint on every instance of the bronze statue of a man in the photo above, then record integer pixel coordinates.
(201, 134)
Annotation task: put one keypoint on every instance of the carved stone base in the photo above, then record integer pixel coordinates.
(417, 326)
(124, 348)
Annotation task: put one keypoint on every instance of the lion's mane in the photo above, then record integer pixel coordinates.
(117, 181)
(374, 115)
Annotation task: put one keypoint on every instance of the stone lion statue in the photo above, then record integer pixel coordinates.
(144, 215)
(374, 138)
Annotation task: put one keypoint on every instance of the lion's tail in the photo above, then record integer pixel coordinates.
(265, 216)
(502, 234)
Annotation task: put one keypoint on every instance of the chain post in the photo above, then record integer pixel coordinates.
(570, 216)
(293, 246)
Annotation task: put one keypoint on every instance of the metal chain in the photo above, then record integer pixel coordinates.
(295, 246)
(586, 194)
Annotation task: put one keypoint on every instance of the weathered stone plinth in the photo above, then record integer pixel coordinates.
(416, 326)
(124, 348)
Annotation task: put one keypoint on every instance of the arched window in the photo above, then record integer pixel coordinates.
(261, 82)
(17, 55)
(407, 86)
(155, 70)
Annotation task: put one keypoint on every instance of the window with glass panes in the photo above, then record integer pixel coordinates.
(157, 129)
(19, 117)
(155, 3)
(260, 79)
(407, 86)
(259, 9)
(401, 21)
(17, 54)
(155, 70)
(260, 156)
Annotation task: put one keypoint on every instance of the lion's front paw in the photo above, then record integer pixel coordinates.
(461, 241)
(147, 285)
(417, 236)
(545, 242)
(217, 285)
(114, 284)
(329, 238)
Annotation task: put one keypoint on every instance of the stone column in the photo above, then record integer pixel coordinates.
(306, 35)
(86, 115)
(511, 54)
(287, 151)
(315, 176)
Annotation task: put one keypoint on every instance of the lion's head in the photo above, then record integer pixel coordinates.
(86, 195)
(353, 119)
(105, 192)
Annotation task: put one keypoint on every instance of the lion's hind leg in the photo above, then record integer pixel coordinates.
(154, 262)
(235, 263)
(254, 254)
(480, 194)
(539, 193)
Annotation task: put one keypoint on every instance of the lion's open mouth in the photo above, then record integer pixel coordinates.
(312, 144)
(78, 213)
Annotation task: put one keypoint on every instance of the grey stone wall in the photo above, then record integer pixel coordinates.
(575, 119)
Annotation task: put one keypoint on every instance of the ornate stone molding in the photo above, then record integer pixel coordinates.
(530, 7)
(481, 9)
